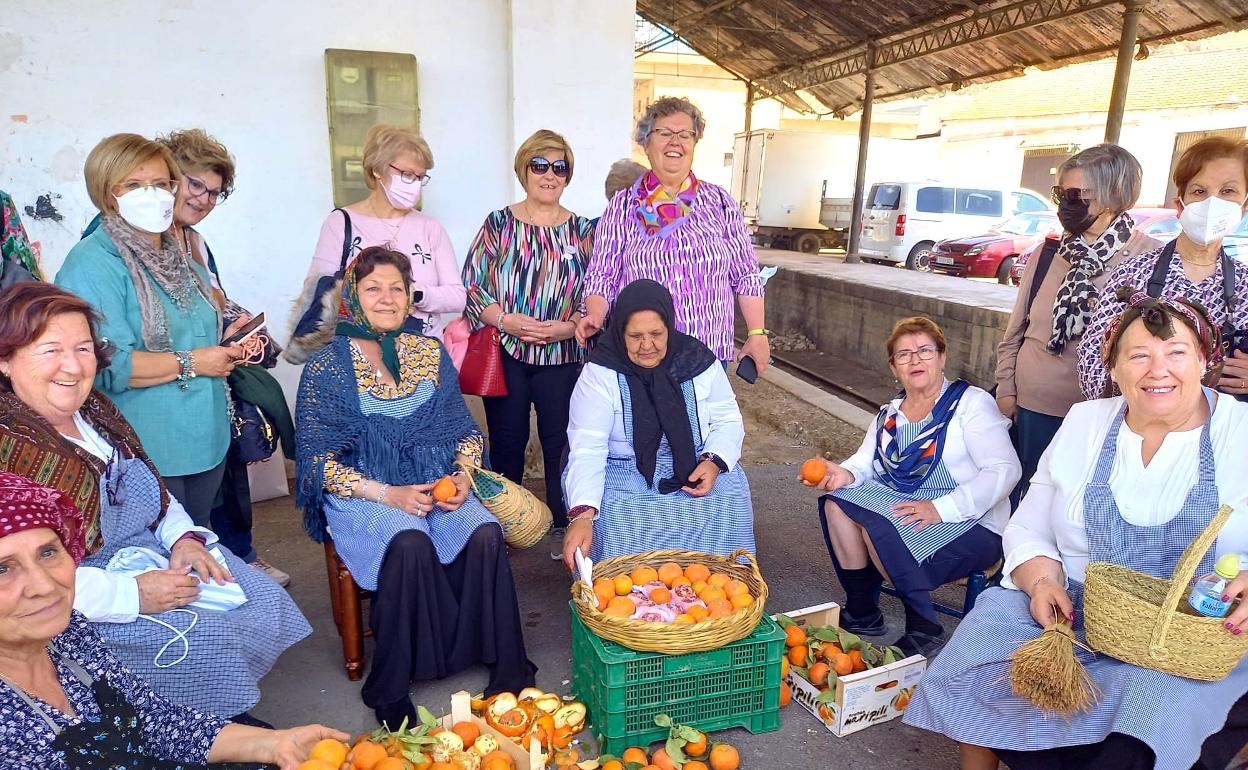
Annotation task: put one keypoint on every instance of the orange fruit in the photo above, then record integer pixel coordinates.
(818, 674)
(317, 764)
(720, 608)
(698, 612)
(842, 664)
(813, 470)
(660, 596)
(741, 601)
(793, 636)
(623, 585)
(784, 668)
(725, 757)
(330, 751)
(698, 572)
(441, 766)
(612, 764)
(786, 695)
(711, 594)
(698, 587)
(734, 587)
(694, 764)
(620, 607)
(856, 657)
(604, 597)
(718, 579)
(651, 767)
(604, 584)
(797, 655)
(669, 573)
(366, 755)
(635, 754)
(696, 748)
(643, 575)
(393, 763)
(498, 760)
(445, 489)
(684, 617)
(681, 581)
(468, 731)
(661, 760)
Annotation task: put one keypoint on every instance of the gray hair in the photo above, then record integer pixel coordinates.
(1112, 173)
(669, 105)
(622, 175)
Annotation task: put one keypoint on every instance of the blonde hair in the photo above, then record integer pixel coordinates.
(622, 175)
(543, 140)
(113, 159)
(195, 150)
(383, 143)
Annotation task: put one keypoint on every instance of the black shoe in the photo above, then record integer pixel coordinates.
(919, 643)
(246, 718)
(393, 714)
(872, 625)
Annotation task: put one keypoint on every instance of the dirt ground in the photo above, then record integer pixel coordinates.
(780, 428)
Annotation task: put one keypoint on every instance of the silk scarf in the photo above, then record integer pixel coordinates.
(659, 211)
(906, 468)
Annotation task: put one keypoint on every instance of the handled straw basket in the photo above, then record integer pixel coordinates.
(1135, 618)
(525, 519)
(670, 638)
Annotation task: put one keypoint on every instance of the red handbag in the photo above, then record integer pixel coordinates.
(481, 373)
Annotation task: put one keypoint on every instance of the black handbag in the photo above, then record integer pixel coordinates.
(255, 438)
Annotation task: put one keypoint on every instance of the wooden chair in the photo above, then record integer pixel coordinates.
(347, 600)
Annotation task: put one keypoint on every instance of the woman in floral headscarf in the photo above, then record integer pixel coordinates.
(380, 419)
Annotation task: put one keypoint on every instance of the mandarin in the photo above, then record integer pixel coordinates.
(842, 664)
(719, 580)
(604, 583)
(710, 594)
(684, 617)
(698, 612)
(661, 760)
(734, 587)
(741, 601)
(797, 655)
(786, 695)
(642, 575)
(681, 581)
(366, 755)
(669, 572)
(612, 764)
(793, 636)
(498, 760)
(695, 764)
(720, 608)
(393, 763)
(698, 572)
(818, 674)
(696, 748)
(468, 731)
(724, 757)
(620, 607)
(604, 597)
(444, 490)
(660, 596)
(859, 663)
(623, 585)
(330, 751)
(814, 470)
(635, 754)
(784, 668)
(317, 764)
(698, 587)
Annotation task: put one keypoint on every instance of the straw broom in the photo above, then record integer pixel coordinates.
(1047, 672)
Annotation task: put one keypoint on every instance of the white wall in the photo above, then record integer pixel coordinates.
(252, 74)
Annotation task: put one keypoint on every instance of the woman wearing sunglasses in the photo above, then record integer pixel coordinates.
(396, 163)
(683, 232)
(524, 274)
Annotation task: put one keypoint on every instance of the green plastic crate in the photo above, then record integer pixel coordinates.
(734, 686)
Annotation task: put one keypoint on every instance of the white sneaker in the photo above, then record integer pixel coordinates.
(556, 543)
(279, 577)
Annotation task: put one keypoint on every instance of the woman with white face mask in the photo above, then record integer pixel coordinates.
(159, 311)
(1211, 178)
(397, 161)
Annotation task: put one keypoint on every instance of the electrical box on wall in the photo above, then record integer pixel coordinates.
(363, 88)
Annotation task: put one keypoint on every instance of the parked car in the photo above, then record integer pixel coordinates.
(903, 220)
(992, 254)
(1162, 224)
(1236, 244)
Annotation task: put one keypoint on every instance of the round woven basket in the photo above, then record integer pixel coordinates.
(1135, 618)
(668, 637)
(525, 519)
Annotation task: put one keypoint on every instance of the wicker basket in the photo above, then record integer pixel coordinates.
(667, 637)
(1134, 617)
(525, 519)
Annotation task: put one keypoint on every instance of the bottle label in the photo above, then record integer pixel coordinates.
(1209, 606)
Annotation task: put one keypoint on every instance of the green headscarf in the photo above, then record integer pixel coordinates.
(352, 322)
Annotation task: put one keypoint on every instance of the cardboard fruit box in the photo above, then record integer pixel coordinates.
(461, 711)
(862, 699)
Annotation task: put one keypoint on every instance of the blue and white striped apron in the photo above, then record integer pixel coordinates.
(227, 653)
(966, 693)
(635, 517)
(362, 529)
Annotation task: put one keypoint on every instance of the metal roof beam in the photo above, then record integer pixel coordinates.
(689, 18)
(982, 25)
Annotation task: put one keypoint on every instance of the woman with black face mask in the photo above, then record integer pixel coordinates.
(1211, 183)
(1037, 358)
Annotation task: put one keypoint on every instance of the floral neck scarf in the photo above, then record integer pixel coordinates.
(352, 322)
(659, 212)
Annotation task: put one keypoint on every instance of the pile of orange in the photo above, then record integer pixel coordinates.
(721, 756)
(721, 594)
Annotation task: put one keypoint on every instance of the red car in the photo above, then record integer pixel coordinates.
(1162, 224)
(992, 254)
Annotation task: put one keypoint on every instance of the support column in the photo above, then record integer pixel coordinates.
(749, 107)
(860, 176)
(1122, 72)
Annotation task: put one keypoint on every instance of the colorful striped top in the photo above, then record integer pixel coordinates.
(538, 271)
(705, 262)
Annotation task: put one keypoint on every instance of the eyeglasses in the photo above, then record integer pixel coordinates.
(925, 353)
(195, 188)
(168, 185)
(540, 166)
(666, 134)
(1072, 194)
(410, 177)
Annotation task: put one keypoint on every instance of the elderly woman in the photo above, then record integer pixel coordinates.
(156, 616)
(622, 175)
(160, 311)
(66, 701)
(924, 500)
(1129, 480)
(655, 437)
(524, 274)
(1038, 355)
(686, 234)
(381, 419)
(1212, 182)
(397, 161)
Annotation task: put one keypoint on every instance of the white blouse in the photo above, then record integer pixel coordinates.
(978, 455)
(1049, 521)
(108, 597)
(596, 428)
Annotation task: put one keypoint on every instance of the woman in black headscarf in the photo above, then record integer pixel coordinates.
(654, 438)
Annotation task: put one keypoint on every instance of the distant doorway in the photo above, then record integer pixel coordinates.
(1040, 167)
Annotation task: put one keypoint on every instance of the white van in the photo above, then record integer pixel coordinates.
(901, 221)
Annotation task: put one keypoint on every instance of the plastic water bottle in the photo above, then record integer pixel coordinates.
(1207, 592)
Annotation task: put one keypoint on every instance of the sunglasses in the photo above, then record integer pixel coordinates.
(1071, 194)
(540, 166)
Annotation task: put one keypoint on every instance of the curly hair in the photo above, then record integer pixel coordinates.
(669, 105)
(196, 150)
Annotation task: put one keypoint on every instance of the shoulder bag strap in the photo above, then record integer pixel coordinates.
(346, 241)
(1044, 260)
(1157, 281)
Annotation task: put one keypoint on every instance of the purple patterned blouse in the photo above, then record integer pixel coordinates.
(705, 262)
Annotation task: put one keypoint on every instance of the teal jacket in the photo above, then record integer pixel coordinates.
(183, 431)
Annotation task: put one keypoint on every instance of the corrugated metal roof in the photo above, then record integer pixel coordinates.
(821, 48)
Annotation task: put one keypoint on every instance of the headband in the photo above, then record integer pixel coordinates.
(1156, 313)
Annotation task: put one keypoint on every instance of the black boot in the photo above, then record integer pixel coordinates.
(392, 714)
(861, 614)
(923, 636)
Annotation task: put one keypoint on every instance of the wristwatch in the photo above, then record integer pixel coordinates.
(719, 463)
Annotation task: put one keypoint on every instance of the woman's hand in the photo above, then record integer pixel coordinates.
(1048, 599)
(1234, 379)
(413, 498)
(285, 748)
(579, 534)
(588, 326)
(920, 513)
(239, 323)
(518, 324)
(461, 493)
(1008, 407)
(292, 746)
(702, 480)
(833, 479)
(217, 360)
(757, 347)
(1238, 589)
(162, 590)
(189, 552)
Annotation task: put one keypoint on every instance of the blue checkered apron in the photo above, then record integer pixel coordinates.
(362, 529)
(879, 498)
(966, 694)
(228, 651)
(635, 517)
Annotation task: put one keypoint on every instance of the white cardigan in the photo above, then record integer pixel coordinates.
(1049, 522)
(596, 428)
(977, 453)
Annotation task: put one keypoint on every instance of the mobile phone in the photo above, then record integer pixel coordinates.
(747, 369)
(250, 328)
